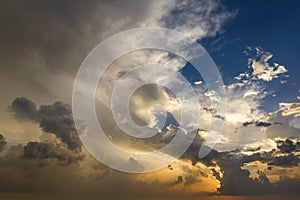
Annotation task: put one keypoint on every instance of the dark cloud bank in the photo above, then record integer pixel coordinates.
(2, 142)
(58, 157)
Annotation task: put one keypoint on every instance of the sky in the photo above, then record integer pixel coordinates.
(254, 47)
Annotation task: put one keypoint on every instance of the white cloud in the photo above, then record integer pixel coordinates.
(262, 69)
(197, 82)
(289, 108)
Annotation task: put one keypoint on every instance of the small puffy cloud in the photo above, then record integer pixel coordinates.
(197, 82)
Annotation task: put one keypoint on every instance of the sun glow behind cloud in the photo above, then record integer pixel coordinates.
(40, 151)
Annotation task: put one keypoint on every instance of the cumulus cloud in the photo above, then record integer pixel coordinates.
(56, 118)
(262, 69)
(247, 124)
(24, 109)
(230, 168)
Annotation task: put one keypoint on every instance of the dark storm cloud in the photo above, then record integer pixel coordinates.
(271, 158)
(284, 155)
(288, 145)
(38, 168)
(56, 29)
(285, 161)
(24, 109)
(237, 181)
(43, 43)
(42, 150)
(56, 118)
(257, 123)
(2, 142)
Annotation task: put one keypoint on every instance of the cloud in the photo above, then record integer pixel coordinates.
(285, 121)
(56, 118)
(64, 32)
(234, 169)
(262, 69)
(244, 139)
(288, 145)
(289, 108)
(42, 151)
(43, 167)
(245, 125)
(197, 19)
(43, 54)
(24, 109)
(236, 179)
(43, 50)
(289, 160)
(2, 142)
(257, 123)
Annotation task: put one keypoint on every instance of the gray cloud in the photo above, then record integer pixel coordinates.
(237, 181)
(24, 109)
(56, 118)
(285, 161)
(2, 142)
(288, 145)
(257, 123)
(42, 151)
(42, 43)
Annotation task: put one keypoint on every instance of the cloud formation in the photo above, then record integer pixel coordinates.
(42, 151)
(42, 52)
(56, 118)
(2, 142)
(262, 69)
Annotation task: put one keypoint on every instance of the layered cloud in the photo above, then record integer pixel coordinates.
(45, 151)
